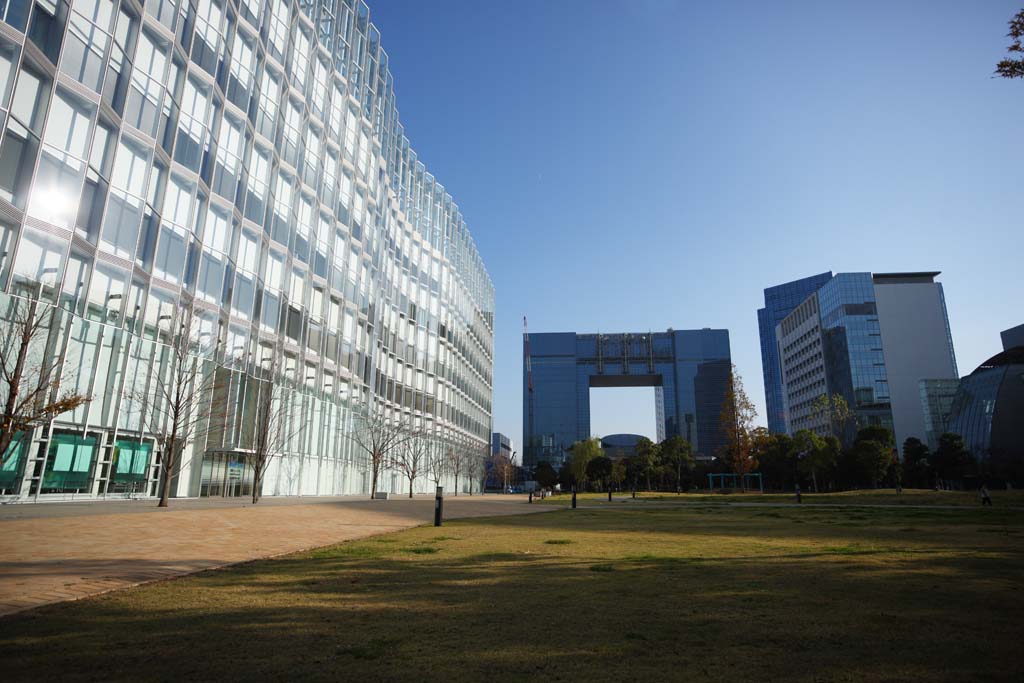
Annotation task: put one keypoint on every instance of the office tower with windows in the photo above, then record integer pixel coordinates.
(779, 301)
(688, 369)
(234, 171)
(501, 445)
(871, 339)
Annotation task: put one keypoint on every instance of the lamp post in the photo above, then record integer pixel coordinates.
(438, 505)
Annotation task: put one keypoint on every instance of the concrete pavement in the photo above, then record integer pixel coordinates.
(66, 551)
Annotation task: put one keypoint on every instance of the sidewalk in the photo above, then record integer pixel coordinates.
(65, 551)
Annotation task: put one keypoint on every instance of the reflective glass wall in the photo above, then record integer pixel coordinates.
(241, 164)
(689, 369)
(780, 301)
(852, 347)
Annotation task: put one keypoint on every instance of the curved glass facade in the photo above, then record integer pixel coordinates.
(987, 413)
(241, 163)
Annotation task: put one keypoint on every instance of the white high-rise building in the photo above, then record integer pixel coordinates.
(233, 170)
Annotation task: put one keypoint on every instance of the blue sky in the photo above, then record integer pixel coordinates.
(649, 164)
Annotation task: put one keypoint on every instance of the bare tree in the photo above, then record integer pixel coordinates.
(503, 469)
(475, 459)
(29, 375)
(272, 426)
(457, 454)
(178, 403)
(437, 461)
(378, 437)
(412, 455)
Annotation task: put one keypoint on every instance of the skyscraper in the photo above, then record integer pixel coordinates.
(689, 370)
(871, 339)
(237, 172)
(779, 301)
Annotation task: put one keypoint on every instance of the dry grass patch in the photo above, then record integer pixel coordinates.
(703, 592)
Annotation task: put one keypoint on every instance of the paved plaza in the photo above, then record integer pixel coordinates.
(65, 551)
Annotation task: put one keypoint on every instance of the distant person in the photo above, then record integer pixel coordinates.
(986, 499)
(899, 488)
(798, 494)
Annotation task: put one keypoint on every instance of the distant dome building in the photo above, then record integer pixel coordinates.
(988, 412)
(618, 446)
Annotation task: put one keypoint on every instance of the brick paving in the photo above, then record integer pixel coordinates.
(56, 552)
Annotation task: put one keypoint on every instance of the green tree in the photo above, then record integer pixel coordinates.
(618, 474)
(545, 475)
(952, 461)
(836, 412)
(565, 476)
(737, 422)
(582, 453)
(775, 458)
(871, 455)
(599, 470)
(834, 449)
(917, 470)
(1014, 68)
(676, 455)
(882, 435)
(873, 459)
(642, 463)
(814, 455)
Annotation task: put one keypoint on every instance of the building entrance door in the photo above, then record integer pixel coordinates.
(225, 474)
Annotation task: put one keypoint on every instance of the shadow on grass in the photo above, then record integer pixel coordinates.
(376, 611)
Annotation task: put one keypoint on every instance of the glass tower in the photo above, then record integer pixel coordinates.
(689, 370)
(873, 339)
(831, 344)
(779, 301)
(852, 344)
(239, 164)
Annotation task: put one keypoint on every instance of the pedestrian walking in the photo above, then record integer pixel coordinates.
(986, 499)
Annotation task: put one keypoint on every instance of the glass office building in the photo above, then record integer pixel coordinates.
(831, 344)
(779, 301)
(937, 404)
(871, 338)
(238, 164)
(689, 370)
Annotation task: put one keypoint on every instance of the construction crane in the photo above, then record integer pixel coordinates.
(529, 393)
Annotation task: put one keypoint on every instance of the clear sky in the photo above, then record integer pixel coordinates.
(645, 164)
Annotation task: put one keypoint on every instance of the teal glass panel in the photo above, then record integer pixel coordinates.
(131, 459)
(69, 464)
(10, 465)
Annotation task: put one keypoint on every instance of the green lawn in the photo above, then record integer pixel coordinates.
(864, 497)
(697, 593)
